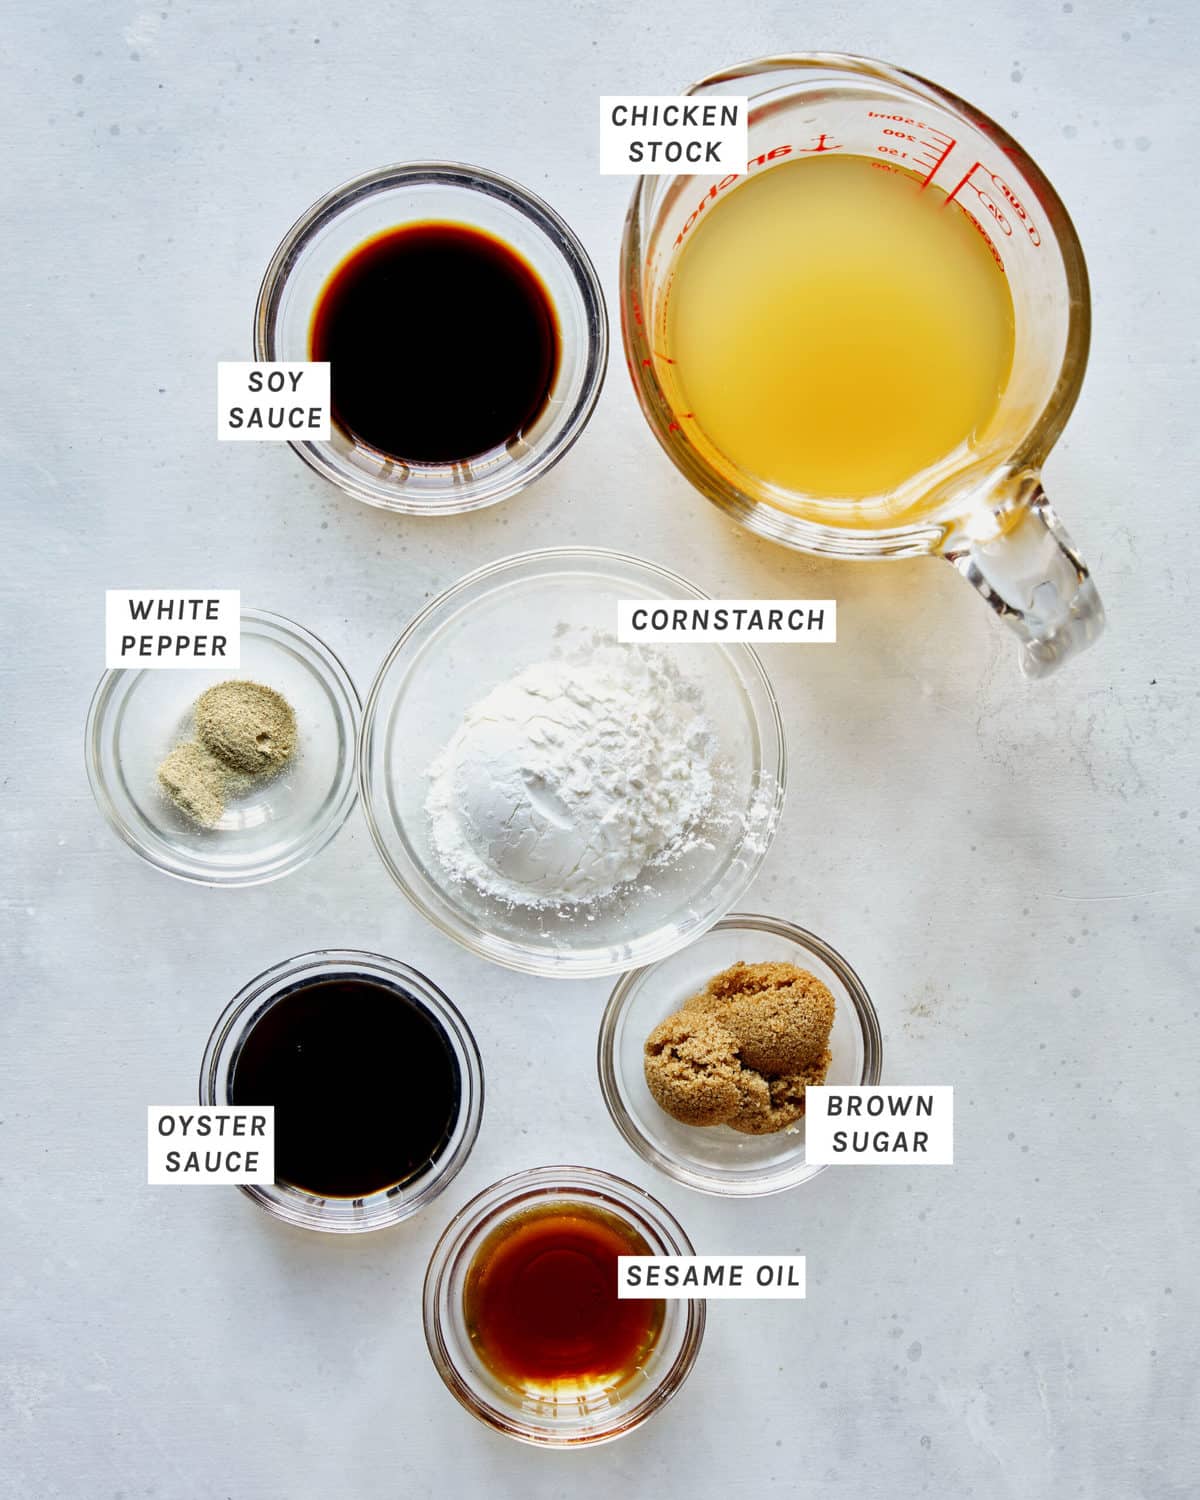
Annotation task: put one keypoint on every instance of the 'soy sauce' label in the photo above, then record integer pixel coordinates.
(280, 401)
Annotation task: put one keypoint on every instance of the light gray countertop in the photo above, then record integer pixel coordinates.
(1010, 867)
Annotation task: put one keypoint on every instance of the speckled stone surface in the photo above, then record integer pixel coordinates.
(1010, 867)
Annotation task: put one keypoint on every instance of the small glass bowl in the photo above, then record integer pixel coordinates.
(348, 1215)
(481, 632)
(414, 192)
(137, 717)
(531, 1417)
(714, 1158)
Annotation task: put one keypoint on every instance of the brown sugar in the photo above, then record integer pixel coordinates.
(780, 1015)
(742, 1051)
(692, 1069)
(777, 1102)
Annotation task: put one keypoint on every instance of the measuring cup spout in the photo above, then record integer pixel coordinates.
(1034, 578)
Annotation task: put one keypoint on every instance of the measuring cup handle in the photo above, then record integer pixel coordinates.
(1036, 581)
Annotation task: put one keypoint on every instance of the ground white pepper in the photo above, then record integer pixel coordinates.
(196, 782)
(250, 727)
(245, 733)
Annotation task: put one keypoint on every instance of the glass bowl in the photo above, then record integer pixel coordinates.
(481, 632)
(532, 1417)
(137, 717)
(413, 192)
(715, 1158)
(348, 1215)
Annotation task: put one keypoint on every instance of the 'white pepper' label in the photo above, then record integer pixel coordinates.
(172, 628)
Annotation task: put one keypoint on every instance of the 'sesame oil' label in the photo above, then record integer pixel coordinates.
(736, 1277)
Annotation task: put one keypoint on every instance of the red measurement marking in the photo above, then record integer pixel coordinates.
(990, 205)
(935, 144)
(820, 146)
(877, 114)
(935, 158)
(961, 183)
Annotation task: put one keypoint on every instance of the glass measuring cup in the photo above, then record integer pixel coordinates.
(981, 506)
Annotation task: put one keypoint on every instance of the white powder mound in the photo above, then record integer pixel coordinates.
(570, 778)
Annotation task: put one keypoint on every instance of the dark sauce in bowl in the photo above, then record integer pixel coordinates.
(442, 342)
(364, 1080)
(541, 1305)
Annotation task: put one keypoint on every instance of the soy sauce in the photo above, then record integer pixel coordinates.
(442, 343)
(541, 1304)
(365, 1084)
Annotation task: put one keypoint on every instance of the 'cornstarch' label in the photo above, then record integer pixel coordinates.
(172, 628)
(675, 1277)
(760, 622)
(272, 401)
(221, 1145)
(656, 134)
(879, 1125)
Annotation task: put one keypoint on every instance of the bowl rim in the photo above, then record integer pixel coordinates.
(317, 838)
(499, 1200)
(292, 1205)
(502, 950)
(606, 1067)
(565, 245)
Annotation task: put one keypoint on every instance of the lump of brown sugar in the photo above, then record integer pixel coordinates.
(692, 1069)
(743, 1050)
(778, 1102)
(781, 1015)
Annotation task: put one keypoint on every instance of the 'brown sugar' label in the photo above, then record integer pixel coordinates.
(879, 1125)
